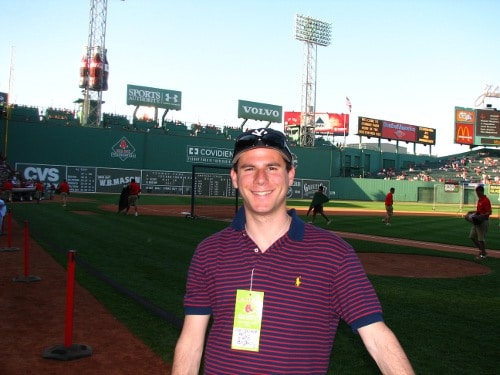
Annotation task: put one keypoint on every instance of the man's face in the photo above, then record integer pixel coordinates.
(262, 180)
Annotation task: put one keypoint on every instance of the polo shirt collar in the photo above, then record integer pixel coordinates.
(296, 231)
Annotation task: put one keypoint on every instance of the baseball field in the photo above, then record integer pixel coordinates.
(131, 272)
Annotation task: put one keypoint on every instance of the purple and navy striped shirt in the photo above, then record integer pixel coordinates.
(299, 320)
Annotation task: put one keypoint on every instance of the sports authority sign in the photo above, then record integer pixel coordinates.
(259, 111)
(153, 97)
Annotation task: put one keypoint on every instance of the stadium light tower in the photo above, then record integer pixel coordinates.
(93, 77)
(313, 33)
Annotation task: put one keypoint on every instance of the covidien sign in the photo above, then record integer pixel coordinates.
(209, 155)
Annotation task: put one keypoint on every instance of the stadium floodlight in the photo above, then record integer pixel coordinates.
(313, 33)
(311, 30)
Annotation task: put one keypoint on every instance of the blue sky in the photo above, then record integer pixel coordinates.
(405, 61)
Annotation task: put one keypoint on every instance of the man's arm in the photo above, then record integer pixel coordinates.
(385, 349)
(189, 348)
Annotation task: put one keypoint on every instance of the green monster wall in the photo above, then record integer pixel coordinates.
(114, 155)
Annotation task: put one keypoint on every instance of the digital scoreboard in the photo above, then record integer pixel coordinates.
(370, 127)
(477, 127)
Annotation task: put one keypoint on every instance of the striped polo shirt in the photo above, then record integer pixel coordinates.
(311, 279)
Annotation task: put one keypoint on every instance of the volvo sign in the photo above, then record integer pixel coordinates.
(259, 111)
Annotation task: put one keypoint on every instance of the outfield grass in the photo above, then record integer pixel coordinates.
(447, 326)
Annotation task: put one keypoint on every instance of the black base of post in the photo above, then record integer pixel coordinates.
(9, 249)
(26, 279)
(63, 353)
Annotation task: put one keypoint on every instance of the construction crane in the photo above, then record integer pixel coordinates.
(94, 66)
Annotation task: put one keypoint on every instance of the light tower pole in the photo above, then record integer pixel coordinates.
(313, 33)
(92, 94)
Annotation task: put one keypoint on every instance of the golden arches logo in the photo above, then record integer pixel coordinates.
(463, 131)
(463, 134)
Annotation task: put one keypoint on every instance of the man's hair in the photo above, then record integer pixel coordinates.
(480, 188)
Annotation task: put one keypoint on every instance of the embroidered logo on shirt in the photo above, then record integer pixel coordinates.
(298, 281)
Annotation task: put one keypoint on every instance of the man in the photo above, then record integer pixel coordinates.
(481, 222)
(275, 286)
(64, 191)
(319, 198)
(3, 212)
(39, 188)
(389, 208)
(8, 186)
(133, 195)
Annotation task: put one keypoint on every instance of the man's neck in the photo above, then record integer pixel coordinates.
(265, 232)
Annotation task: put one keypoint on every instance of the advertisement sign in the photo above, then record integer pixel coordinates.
(487, 127)
(451, 187)
(477, 126)
(209, 155)
(325, 123)
(464, 134)
(309, 187)
(46, 173)
(426, 135)
(397, 131)
(112, 180)
(371, 127)
(494, 189)
(123, 150)
(259, 111)
(305, 189)
(153, 97)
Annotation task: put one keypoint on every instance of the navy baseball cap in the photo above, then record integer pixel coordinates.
(261, 138)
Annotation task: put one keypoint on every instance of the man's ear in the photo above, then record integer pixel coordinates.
(291, 176)
(234, 178)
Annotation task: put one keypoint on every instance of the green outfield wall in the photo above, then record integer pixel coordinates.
(103, 159)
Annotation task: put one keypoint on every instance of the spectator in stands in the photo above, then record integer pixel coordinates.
(7, 187)
(64, 189)
(481, 223)
(275, 286)
(133, 195)
(39, 188)
(389, 206)
(316, 205)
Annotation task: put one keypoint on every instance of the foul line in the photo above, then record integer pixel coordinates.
(421, 244)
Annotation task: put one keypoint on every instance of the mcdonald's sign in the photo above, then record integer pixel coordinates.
(464, 134)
